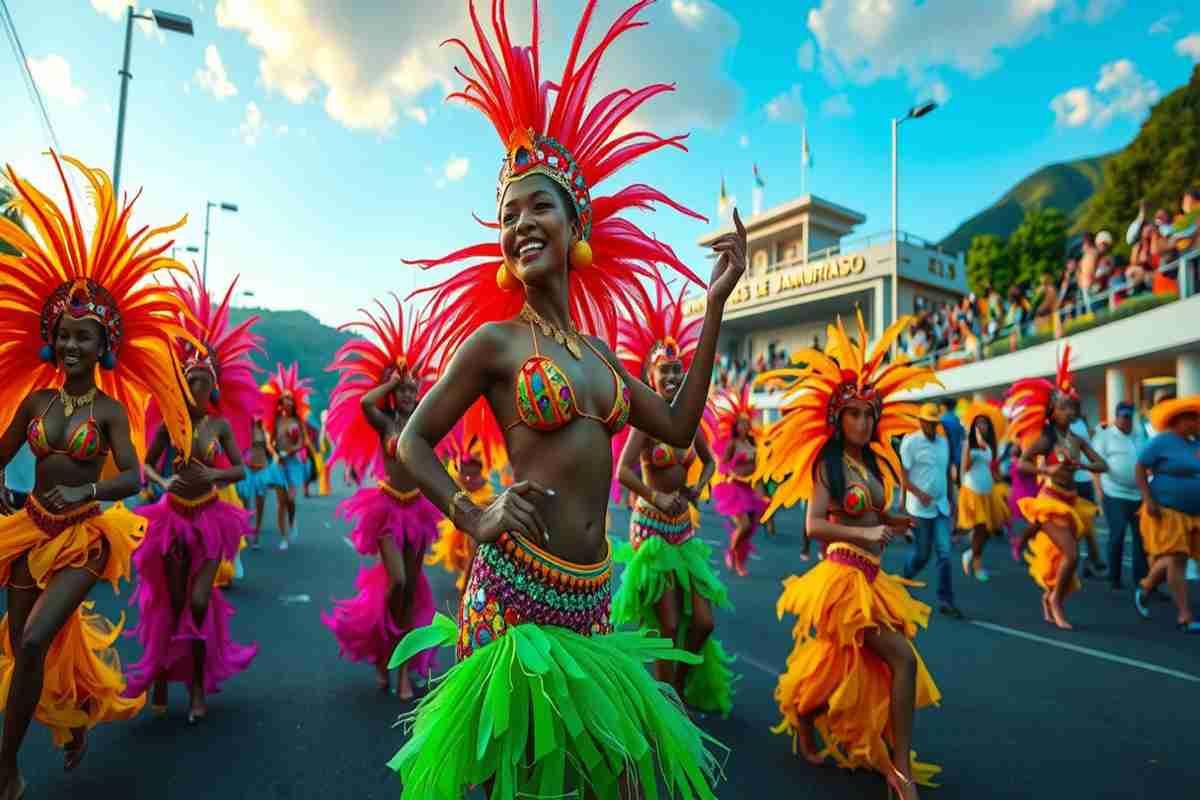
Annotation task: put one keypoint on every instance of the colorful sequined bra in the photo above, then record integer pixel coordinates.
(53, 524)
(648, 521)
(663, 456)
(848, 555)
(404, 498)
(514, 582)
(546, 400)
(84, 443)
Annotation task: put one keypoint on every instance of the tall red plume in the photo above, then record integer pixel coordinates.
(657, 319)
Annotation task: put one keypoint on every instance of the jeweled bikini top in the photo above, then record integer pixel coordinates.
(83, 444)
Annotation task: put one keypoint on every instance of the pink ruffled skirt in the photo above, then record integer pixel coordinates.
(363, 625)
(205, 530)
(730, 499)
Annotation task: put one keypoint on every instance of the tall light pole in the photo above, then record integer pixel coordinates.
(168, 22)
(207, 214)
(191, 248)
(916, 112)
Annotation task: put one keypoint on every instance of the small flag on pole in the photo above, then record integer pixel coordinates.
(805, 153)
(758, 179)
(756, 195)
(722, 200)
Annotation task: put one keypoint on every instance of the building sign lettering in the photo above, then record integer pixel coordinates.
(784, 282)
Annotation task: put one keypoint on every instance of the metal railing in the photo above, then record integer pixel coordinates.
(1185, 269)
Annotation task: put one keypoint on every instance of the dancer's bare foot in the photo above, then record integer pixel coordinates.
(1046, 608)
(900, 785)
(806, 740)
(199, 706)
(76, 749)
(158, 698)
(1060, 619)
(404, 690)
(382, 680)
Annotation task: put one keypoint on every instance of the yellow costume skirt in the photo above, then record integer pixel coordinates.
(832, 678)
(454, 549)
(228, 494)
(82, 684)
(989, 510)
(1056, 506)
(1173, 532)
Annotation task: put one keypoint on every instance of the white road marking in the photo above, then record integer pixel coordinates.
(1087, 651)
(295, 599)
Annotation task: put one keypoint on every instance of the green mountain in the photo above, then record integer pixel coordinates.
(1066, 186)
(297, 336)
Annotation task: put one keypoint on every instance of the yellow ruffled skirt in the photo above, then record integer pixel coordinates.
(228, 494)
(832, 678)
(83, 683)
(1172, 532)
(989, 510)
(1055, 506)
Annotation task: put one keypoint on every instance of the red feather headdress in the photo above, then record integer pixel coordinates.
(574, 144)
(658, 332)
(1028, 403)
(362, 365)
(285, 382)
(63, 271)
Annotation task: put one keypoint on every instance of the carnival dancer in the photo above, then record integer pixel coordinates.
(854, 676)
(252, 488)
(284, 407)
(69, 304)
(471, 452)
(531, 323)
(378, 388)
(1041, 414)
(1170, 516)
(737, 498)
(668, 585)
(982, 496)
(183, 618)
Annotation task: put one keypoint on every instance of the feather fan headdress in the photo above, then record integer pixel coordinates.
(1028, 402)
(573, 143)
(285, 382)
(816, 393)
(362, 365)
(657, 332)
(61, 271)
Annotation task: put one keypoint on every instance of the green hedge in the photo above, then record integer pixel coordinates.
(1134, 305)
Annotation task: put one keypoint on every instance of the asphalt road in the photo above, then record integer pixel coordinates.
(1110, 710)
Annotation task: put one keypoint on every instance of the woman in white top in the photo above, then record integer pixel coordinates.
(982, 498)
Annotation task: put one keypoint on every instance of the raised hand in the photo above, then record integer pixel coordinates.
(514, 511)
(731, 262)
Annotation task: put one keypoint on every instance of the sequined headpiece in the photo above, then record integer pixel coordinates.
(82, 299)
(535, 154)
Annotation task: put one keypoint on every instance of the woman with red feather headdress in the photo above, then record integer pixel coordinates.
(379, 385)
(736, 498)
(85, 342)
(668, 584)
(854, 676)
(472, 452)
(284, 406)
(1042, 413)
(183, 619)
(531, 323)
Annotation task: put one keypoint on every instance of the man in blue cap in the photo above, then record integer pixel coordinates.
(1118, 493)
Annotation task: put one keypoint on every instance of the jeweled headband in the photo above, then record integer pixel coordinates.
(534, 154)
(666, 350)
(82, 299)
(195, 359)
(847, 392)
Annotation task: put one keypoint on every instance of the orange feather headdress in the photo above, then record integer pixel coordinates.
(62, 271)
(816, 393)
(1028, 402)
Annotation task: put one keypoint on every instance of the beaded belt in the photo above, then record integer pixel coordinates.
(189, 508)
(514, 582)
(648, 521)
(851, 556)
(53, 524)
(401, 497)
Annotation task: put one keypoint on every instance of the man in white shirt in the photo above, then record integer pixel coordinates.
(925, 456)
(1119, 495)
(1093, 567)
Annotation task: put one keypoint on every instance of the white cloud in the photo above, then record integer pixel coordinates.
(115, 10)
(1189, 47)
(743, 141)
(52, 75)
(865, 40)
(187, 87)
(417, 115)
(456, 168)
(213, 77)
(1120, 91)
(806, 56)
(282, 130)
(252, 124)
(786, 107)
(1163, 24)
(837, 106)
(367, 63)
(935, 90)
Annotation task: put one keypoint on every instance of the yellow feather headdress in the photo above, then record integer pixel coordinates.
(60, 270)
(815, 392)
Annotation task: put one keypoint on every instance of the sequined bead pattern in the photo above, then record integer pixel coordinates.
(53, 524)
(851, 556)
(648, 521)
(514, 582)
(543, 394)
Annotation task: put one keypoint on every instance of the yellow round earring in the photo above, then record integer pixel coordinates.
(505, 279)
(581, 255)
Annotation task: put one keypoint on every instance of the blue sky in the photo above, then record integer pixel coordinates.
(323, 119)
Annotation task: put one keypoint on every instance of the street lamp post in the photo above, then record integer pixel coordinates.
(191, 248)
(165, 20)
(916, 112)
(207, 214)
